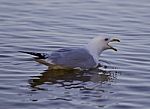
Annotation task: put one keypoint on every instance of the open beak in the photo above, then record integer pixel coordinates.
(113, 40)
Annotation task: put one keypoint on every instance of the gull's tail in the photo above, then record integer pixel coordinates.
(38, 55)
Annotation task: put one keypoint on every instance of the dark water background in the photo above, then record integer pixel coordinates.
(46, 25)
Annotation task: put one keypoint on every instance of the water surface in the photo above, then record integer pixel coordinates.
(48, 25)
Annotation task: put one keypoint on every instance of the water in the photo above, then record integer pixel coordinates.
(46, 25)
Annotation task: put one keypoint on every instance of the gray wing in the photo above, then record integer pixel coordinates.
(72, 57)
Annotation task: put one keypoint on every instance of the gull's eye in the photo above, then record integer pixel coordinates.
(106, 39)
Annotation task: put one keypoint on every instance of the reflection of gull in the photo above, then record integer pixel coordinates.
(66, 77)
(84, 57)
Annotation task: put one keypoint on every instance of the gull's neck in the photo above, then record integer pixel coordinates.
(95, 50)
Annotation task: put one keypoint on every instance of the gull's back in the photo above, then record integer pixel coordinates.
(72, 57)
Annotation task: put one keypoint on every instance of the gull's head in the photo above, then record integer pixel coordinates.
(103, 43)
(99, 44)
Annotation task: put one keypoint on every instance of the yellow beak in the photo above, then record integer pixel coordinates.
(113, 40)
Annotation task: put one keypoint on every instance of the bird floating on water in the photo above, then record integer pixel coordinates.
(84, 57)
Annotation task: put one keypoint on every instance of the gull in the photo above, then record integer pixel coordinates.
(84, 57)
